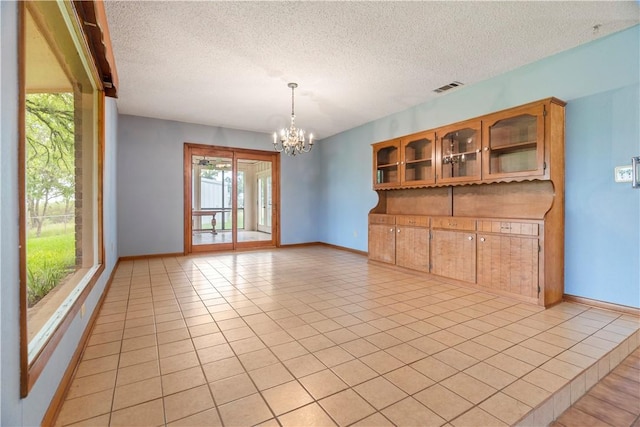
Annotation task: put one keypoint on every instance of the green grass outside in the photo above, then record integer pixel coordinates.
(50, 258)
(206, 224)
(228, 219)
(49, 230)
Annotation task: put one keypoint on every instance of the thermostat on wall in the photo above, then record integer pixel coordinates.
(623, 174)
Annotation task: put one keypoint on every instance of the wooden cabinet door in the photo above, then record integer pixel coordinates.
(417, 161)
(458, 153)
(412, 248)
(386, 164)
(508, 264)
(453, 255)
(513, 143)
(382, 243)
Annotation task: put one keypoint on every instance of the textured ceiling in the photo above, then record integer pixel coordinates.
(228, 63)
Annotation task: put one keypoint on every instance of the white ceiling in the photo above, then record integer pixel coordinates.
(228, 63)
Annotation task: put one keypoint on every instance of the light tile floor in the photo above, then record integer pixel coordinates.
(207, 238)
(317, 336)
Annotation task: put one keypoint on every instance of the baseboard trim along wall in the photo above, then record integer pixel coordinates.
(292, 245)
(603, 305)
(342, 248)
(150, 256)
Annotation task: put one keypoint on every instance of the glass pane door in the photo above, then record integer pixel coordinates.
(264, 203)
(211, 200)
(255, 197)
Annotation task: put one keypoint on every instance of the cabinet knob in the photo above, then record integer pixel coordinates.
(391, 230)
(470, 237)
(486, 148)
(482, 239)
(398, 230)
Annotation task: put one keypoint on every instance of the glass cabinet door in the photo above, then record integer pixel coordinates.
(459, 153)
(514, 143)
(386, 157)
(417, 164)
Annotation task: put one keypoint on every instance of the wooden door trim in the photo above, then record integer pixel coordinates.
(186, 197)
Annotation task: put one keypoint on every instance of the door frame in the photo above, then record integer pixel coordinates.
(191, 149)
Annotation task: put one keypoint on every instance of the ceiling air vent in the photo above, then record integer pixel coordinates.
(447, 87)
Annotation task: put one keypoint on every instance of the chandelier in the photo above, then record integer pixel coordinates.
(292, 140)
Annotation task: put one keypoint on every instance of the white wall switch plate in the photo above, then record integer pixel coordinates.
(623, 174)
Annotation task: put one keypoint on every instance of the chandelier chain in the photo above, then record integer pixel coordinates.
(293, 88)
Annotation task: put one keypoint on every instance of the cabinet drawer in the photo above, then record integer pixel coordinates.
(382, 219)
(413, 220)
(508, 227)
(453, 223)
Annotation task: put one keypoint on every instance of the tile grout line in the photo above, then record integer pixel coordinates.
(200, 365)
(246, 371)
(124, 327)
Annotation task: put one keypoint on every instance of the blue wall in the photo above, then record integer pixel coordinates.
(150, 183)
(29, 411)
(600, 82)
(602, 259)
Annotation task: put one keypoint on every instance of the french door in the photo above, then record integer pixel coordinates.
(264, 202)
(231, 198)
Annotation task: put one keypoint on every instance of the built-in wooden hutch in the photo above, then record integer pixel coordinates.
(479, 203)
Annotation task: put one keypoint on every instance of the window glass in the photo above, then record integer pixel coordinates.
(60, 170)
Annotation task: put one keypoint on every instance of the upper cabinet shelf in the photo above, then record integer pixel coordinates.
(417, 163)
(515, 142)
(509, 145)
(386, 159)
(406, 161)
